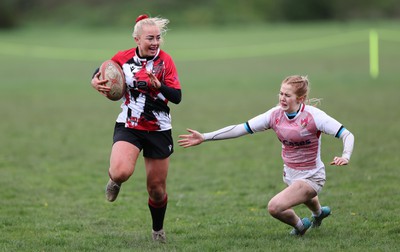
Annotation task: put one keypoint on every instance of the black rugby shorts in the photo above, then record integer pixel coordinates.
(155, 144)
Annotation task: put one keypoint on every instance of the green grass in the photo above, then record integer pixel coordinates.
(56, 137)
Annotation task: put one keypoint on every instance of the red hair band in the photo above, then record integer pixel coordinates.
(141, 17)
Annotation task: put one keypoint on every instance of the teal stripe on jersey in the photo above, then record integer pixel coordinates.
(247, 127)
(340, 132)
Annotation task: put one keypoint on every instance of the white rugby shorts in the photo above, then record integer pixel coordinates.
(315, 178)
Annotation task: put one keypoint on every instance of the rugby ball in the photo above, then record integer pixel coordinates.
(112, 72)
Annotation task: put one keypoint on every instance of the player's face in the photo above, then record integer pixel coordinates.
(149, 41)
(288, 99)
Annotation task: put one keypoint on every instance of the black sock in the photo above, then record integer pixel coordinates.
(157, 211)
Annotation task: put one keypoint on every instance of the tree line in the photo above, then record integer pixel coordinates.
(14, 13)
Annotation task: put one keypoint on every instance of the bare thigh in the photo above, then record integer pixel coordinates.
(122, 161)
(297, 193)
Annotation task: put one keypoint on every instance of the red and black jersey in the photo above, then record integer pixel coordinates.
(145, 107)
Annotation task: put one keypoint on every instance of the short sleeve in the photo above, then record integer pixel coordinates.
(261, 122)
(326, 123)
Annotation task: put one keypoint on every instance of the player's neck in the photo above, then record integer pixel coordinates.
(146, 58)
(292, 115)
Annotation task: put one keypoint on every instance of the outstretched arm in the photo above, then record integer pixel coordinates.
(196, 138)
(348, 144)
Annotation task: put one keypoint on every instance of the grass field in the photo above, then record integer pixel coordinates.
(56, 137)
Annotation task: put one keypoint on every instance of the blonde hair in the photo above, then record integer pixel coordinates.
(161, 23)
(302, 87)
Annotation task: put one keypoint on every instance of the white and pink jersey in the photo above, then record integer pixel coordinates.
(300, 136)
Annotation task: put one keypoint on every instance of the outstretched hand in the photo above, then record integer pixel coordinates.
(339, 161)
(195, 138)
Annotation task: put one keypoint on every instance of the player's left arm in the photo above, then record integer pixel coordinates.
(348, 145)
(332, 127)
(169, 86)
(173, 95)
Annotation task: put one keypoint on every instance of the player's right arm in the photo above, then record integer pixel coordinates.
(196, 138)
(99, 85)
(256, 124)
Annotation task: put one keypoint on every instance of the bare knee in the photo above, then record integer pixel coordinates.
(156, 192)
(120, 174)
(273, 208)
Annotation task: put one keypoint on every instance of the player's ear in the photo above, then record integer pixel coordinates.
(301, 99)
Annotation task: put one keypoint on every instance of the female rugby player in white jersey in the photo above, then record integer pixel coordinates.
(298, 126)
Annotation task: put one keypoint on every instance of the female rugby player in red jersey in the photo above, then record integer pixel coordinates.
(298, 127)
(145, 122)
